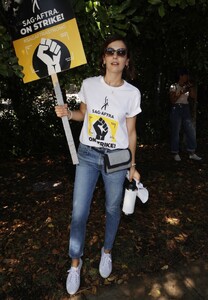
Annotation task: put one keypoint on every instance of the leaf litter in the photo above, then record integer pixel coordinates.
(36, 204)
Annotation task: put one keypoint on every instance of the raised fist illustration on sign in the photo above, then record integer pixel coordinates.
(101, 129)
(50, 53)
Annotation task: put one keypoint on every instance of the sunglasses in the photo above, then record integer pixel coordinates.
(120, 52)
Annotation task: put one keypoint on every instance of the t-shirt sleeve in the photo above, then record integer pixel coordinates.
(172, 88)
(135, 105)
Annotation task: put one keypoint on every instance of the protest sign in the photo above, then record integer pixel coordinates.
(46, 37)
(46, 41)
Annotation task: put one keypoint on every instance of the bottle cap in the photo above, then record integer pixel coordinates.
(131, 185)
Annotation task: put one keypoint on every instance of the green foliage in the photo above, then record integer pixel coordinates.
(8, 60)
(154, 2)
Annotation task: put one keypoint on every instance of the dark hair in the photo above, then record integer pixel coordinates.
(181, 72)
(128, 72)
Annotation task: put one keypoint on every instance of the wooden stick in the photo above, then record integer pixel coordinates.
(65, 121)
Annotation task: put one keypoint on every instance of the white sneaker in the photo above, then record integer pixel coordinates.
(194, 157)
(73, 279)
(105, 267)
(177, 157)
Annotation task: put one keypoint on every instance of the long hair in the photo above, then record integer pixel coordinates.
(128, 72)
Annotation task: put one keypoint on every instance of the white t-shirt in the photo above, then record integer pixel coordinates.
(107, 109)
(183, 99)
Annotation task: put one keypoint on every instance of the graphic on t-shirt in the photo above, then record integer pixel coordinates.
(102, 129)
(105, 104)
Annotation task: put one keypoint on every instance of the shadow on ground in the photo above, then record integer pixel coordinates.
(36, 195)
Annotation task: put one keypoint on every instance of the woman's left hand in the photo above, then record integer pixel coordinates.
(133, 173)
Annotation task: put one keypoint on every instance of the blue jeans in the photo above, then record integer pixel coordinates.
(90, 166)
(180, 116)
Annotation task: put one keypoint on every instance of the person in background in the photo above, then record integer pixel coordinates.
(180, 115)
(109, 106)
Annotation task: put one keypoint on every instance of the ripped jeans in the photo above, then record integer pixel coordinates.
(90, 166)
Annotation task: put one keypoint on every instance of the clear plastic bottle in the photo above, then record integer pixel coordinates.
(129, 197)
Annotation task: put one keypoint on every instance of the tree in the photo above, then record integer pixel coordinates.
(8, 61)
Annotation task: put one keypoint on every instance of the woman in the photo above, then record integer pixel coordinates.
(109, 106)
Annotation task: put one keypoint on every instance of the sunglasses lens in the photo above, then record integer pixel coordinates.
(121, 52)
(110, 52)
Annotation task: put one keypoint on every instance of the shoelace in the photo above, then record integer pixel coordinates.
(106, 259)
(74, 274)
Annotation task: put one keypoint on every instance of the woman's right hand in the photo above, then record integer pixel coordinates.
(75, 115)
(61, 110)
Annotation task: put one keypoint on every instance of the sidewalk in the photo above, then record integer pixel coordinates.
(185, 282)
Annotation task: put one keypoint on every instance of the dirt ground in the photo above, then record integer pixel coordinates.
(36, 197)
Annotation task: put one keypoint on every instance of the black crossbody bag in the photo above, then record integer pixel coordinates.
(117, 160)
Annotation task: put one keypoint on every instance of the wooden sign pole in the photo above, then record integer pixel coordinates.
(65, 121)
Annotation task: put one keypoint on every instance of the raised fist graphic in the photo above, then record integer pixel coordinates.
(101, 129)
(50, 53)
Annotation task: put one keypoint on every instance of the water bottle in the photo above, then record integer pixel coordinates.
(129, 197)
